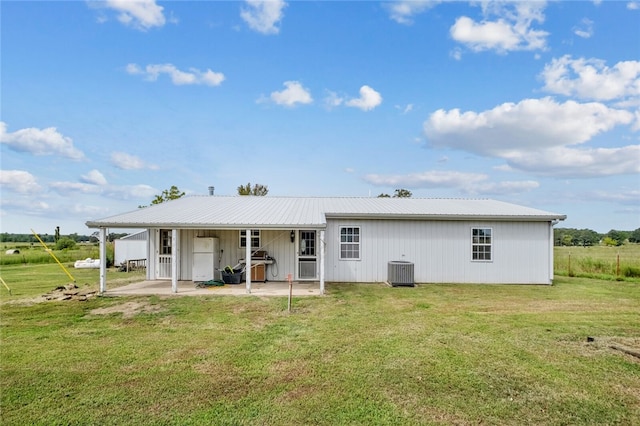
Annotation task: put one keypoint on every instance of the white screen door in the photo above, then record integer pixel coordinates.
(164, 255)
(307, 258)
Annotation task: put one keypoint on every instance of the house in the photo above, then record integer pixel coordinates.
(343, 239)
(131, 248)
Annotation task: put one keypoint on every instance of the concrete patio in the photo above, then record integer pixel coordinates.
(189, 288)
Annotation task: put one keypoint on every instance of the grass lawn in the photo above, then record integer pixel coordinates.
(362, 354)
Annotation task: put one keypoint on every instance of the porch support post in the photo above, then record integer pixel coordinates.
(247, 260)
(551, 248)
(174, 260)
(103, 260)
(322, 256)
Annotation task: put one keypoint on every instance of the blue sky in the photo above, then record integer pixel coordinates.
(106, 104)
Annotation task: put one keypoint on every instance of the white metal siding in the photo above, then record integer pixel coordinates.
(128, 250)
(277, 243)
(441, 251)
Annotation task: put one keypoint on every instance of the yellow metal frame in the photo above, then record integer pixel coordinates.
(48, 250)
(5, 284)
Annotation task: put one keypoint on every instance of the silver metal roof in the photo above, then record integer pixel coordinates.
(242, 212)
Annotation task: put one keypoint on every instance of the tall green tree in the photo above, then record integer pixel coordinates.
(256, 189)
(402, 193)
(172, 193)
(399, 193)
(617, 236)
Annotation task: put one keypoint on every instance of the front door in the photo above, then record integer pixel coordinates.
(164, 255)
(307, 258)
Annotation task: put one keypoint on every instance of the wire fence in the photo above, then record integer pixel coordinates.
(598, 261)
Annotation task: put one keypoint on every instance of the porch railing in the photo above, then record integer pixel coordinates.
(164, 266)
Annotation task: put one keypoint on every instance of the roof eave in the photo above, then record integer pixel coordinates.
(141, 225)
(392, 216)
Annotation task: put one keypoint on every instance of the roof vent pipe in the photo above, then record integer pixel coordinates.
(211, 189)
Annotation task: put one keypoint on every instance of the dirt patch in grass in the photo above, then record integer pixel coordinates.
(128, 309)
(66, 292)
(626, 346)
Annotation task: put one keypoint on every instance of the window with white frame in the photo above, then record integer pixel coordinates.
(255, 238)
(349, 242)
(481, 244)
(165, 241)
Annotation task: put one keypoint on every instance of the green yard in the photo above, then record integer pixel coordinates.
(362, 354)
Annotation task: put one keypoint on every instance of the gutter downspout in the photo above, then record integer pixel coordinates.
(551, 248)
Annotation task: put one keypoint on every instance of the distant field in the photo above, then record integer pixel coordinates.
(621, 262)
(35, 253)
(33, 271)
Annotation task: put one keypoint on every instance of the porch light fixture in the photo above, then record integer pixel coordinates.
(293, 236)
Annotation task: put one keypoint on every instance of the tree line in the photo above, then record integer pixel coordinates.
(588, 237)
(6, 237)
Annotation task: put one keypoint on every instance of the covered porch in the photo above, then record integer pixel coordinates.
(179, 258)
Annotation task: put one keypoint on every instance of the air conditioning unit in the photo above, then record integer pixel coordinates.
(400, 273)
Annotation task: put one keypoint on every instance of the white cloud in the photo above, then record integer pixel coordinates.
(456, 54)
(27, 206)
(585, 30)
(405, 109)
(529, 125)
(430, 179)
(497, 35)
(40, 142)
(294, 94)
(129, 192)
(501, 188)
(84, 210)
(468, 183)
(577, 162)
(633, 5)
(125, 161)
(117, 192)
(67, 188)
(403, 11)
(591, 78)
(630, 197)
(139, 14)
(178, 77)
(333, 100)
(263, 16)
(536, 135)
(368, 100)
(19, 181)
(510, 31)
(94, 177)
